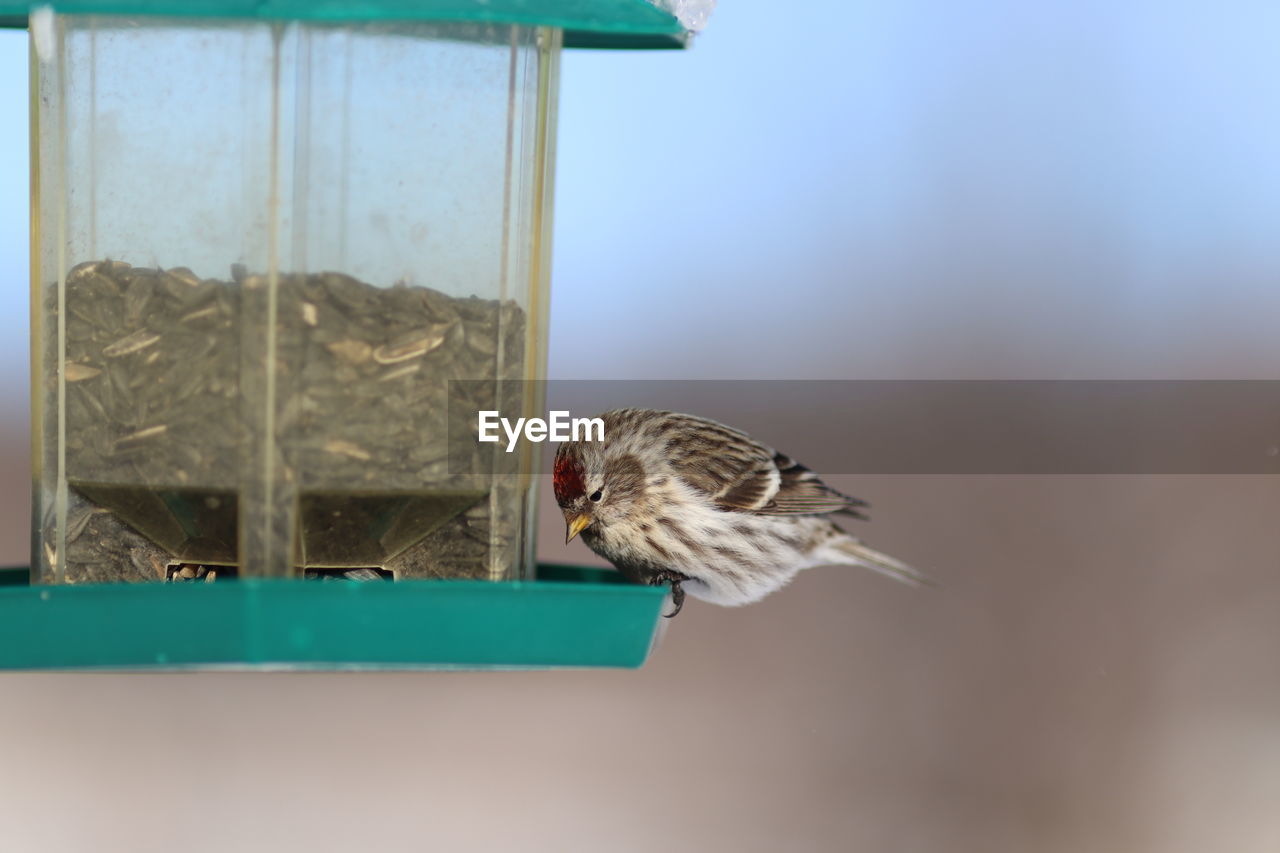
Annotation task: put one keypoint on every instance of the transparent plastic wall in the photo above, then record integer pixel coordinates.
(264, 252)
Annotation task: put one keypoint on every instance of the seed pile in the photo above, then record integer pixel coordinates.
(166, 374)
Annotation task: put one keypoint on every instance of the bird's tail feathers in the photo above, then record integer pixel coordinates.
(870, 558)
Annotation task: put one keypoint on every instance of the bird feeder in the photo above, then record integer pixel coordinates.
(282, 254)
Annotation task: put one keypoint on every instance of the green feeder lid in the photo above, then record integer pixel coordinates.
(568, 617)
(587, 23)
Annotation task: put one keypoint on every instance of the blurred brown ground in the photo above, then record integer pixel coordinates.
(1095, 671)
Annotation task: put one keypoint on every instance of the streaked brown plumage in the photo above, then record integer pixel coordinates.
(678, 499)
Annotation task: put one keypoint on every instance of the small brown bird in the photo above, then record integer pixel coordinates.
(681, 500)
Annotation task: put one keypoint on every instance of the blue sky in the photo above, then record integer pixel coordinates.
(14, 353)
(1081, 190)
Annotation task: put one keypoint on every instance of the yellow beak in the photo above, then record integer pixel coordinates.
(576, 525)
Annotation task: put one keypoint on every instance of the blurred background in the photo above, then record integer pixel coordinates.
(860, 191)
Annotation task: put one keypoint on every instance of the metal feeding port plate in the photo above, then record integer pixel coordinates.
(347, 534)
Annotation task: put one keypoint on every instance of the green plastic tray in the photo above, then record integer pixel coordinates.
(569, 617)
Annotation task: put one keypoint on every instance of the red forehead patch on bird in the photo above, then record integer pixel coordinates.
(567, 480)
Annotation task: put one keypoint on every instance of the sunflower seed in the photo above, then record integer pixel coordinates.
(79, 372)
(346, 448)
(135, 342)
(183, 276)
(405, 347)
(356, 352)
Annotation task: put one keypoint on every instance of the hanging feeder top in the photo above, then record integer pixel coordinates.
(587, 23)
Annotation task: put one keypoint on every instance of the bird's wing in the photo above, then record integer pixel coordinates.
(801, 492)
(738, 473)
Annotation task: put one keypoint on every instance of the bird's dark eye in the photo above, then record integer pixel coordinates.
(597, 495)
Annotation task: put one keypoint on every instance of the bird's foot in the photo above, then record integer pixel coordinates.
(677, 598)
(677, 591)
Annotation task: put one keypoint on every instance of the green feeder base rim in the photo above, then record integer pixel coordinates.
(569, 618)
(587, 23)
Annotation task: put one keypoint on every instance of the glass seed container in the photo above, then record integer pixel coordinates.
(265, 253)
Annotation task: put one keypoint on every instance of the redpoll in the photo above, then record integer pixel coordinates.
(681, 500)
